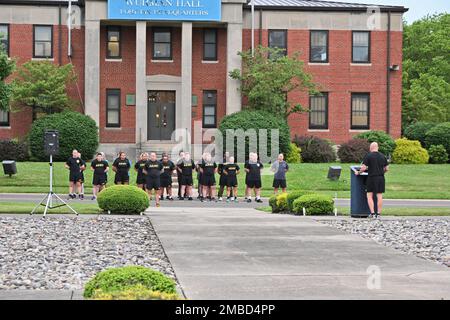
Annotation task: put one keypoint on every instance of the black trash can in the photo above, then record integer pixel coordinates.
(9, 167)
(359, 208)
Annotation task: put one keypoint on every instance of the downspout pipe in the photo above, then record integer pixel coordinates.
(260, 26)
(59, 36)
(388, 76)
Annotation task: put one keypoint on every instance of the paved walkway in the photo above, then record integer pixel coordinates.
(247, 254)
(414, 203)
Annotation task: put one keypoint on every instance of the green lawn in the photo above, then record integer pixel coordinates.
(26, 207)
(392, 211)
(403, 181)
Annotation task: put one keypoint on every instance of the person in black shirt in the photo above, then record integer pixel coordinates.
(222, 176)
(153, 170)
(376, 165)
(208, 169)
(179, 160)
(139, 167)
(185, 167)
(199, 179)
(231, 170)
(121, 167)
(166, 177)
(75, 165)
(100, 167)
(81, 195)
(253, 168)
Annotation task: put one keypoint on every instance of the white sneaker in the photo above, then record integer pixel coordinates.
(220, 199)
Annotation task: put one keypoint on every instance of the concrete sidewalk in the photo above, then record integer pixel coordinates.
(247, 254)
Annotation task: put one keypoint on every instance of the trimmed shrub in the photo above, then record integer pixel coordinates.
(315, 204)
(294, 195)
(315, 149)
(273, 203)
(409, 152)
(123, 199)
(418, 131)
(76, 131)
(385, 142)
(440, 134)
(438, 154)
(294, 154)
(138, 292)
(13, 150)
(251, 119)
(353, 151)
(282, 202)
(119, 279)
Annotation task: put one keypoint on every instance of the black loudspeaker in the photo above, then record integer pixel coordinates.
(51, 142)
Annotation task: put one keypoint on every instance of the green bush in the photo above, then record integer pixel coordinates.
(76, 131)
(119, 279)
(250, 119)
(315, 149)
(294, 154)
(440, 134)
(282, 202)
(385, 142)
(438, 154)
(418, 131)
(138, 292)
(273, 203)
(409, 152)
(123, 199)
(353, 151)
(13, 150)
(315, 204)
(294, 195)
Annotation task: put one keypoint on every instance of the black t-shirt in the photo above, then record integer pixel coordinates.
(122, 166)
(139, 166)
(186, 167)
(220, 168)
(208, 167)
(376, 162)
(231, 169)
(255, 170)
(99, 167)
(153, 168)
(168, 168)
(75, 164)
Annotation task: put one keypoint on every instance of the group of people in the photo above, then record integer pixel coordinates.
(155, 175)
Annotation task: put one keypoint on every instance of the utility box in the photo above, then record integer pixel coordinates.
(359, 208)
(9, 167)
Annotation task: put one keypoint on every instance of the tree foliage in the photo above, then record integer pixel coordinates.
(268, 76)
(6, 69)
(426, 70)
(42, 86)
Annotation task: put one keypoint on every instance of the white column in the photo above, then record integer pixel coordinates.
(92, 70)
(184, 113)
(234, 45)
(141, 78)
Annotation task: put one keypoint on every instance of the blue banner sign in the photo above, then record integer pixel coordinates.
(181, 10)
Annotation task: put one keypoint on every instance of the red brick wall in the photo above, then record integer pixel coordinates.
(119, 75)
(340, 79)
(21, 49)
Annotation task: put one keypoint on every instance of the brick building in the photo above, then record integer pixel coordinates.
(146, 67)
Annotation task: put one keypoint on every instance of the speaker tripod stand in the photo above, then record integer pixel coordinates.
(51, 197)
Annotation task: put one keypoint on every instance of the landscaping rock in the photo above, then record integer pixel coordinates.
(65, 252)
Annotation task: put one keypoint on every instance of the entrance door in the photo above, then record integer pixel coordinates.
(161, 115)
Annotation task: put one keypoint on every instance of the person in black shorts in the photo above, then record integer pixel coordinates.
(279, 167)
(186, 168)
(199, 179)
(253, 168)
(100, 167)
(376, 165)
(81, 195)
(166, 177)
(139, 168)
(179, 160)
(153, 169)
(231, 170)
(75, 165)
(121, 167)
(222, 176)
(208, 170)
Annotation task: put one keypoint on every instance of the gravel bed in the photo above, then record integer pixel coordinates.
(65, 252)
(425, 238)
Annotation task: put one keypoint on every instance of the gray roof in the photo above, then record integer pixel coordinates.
(319, 5)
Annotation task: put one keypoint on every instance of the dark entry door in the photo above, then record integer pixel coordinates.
(161, 115)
